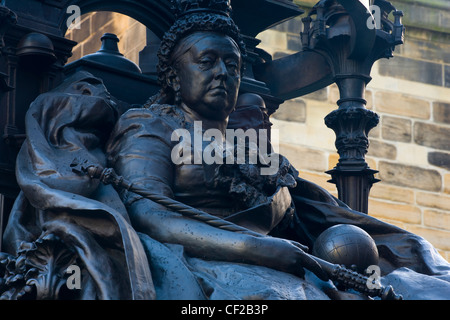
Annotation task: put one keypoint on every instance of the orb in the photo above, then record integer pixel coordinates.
(347, 245)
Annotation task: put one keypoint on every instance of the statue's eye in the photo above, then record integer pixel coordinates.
(207, 61)
(232, 66)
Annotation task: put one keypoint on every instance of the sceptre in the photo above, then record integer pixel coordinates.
(345, 277)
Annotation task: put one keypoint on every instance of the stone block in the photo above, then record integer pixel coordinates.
(396, 129)
(424, 49)
(316, 136)
(445, 255)
(402, 105)
(321, 95)
(369, 98)
(375, 132)
(132, 55)
(333, 96)
(81, 34)
(447, 76)
(291, 110)
(135, 39)
(321, 179)
(380, 149)
(279, 55)
(412, 154)
(412, 70)
(122, 22)
(293, 42)
(316, 111)
(437, 219)
(371, 163)
(101, 18)
(419, 14)
(438, 238)
(399, 224)
(294, 26)
(332, 160)
(387, 192)
(439, 159)
(94, 42)
(432, 135)
(447, 183)
(333, 93)
(441, 112)
(394, 211)
(433, 200)
(273, 40)
(76, 53)
(303, 158)
(410, 176)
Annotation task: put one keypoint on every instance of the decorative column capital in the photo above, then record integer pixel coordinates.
(347, 34)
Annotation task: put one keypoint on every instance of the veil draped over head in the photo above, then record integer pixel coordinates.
(72, 122)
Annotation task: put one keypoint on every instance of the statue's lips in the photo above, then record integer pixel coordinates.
(219, 90)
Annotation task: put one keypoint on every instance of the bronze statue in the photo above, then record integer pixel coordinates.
(144, 239)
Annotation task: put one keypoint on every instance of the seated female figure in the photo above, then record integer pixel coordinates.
(204, 77)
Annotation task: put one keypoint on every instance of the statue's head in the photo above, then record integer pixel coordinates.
(201, 58)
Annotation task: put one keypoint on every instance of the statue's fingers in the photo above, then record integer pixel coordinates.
(312, 265)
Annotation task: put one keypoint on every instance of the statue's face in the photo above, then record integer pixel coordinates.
(209, 76)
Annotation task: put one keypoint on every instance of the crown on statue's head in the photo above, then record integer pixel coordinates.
(185, 7)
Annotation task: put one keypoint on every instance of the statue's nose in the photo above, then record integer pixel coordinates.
(220, 70)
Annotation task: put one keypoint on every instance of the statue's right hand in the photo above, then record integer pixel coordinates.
(288, 256)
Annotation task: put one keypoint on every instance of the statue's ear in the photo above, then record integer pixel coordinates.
(172, 80)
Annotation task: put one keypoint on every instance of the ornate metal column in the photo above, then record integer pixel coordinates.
(351, 40)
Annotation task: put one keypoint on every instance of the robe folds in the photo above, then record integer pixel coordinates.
(121, 262)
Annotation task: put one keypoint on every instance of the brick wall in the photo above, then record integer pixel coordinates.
(411, 93)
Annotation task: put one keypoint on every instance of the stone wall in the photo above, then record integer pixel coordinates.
(411, 93)
(131, 33)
